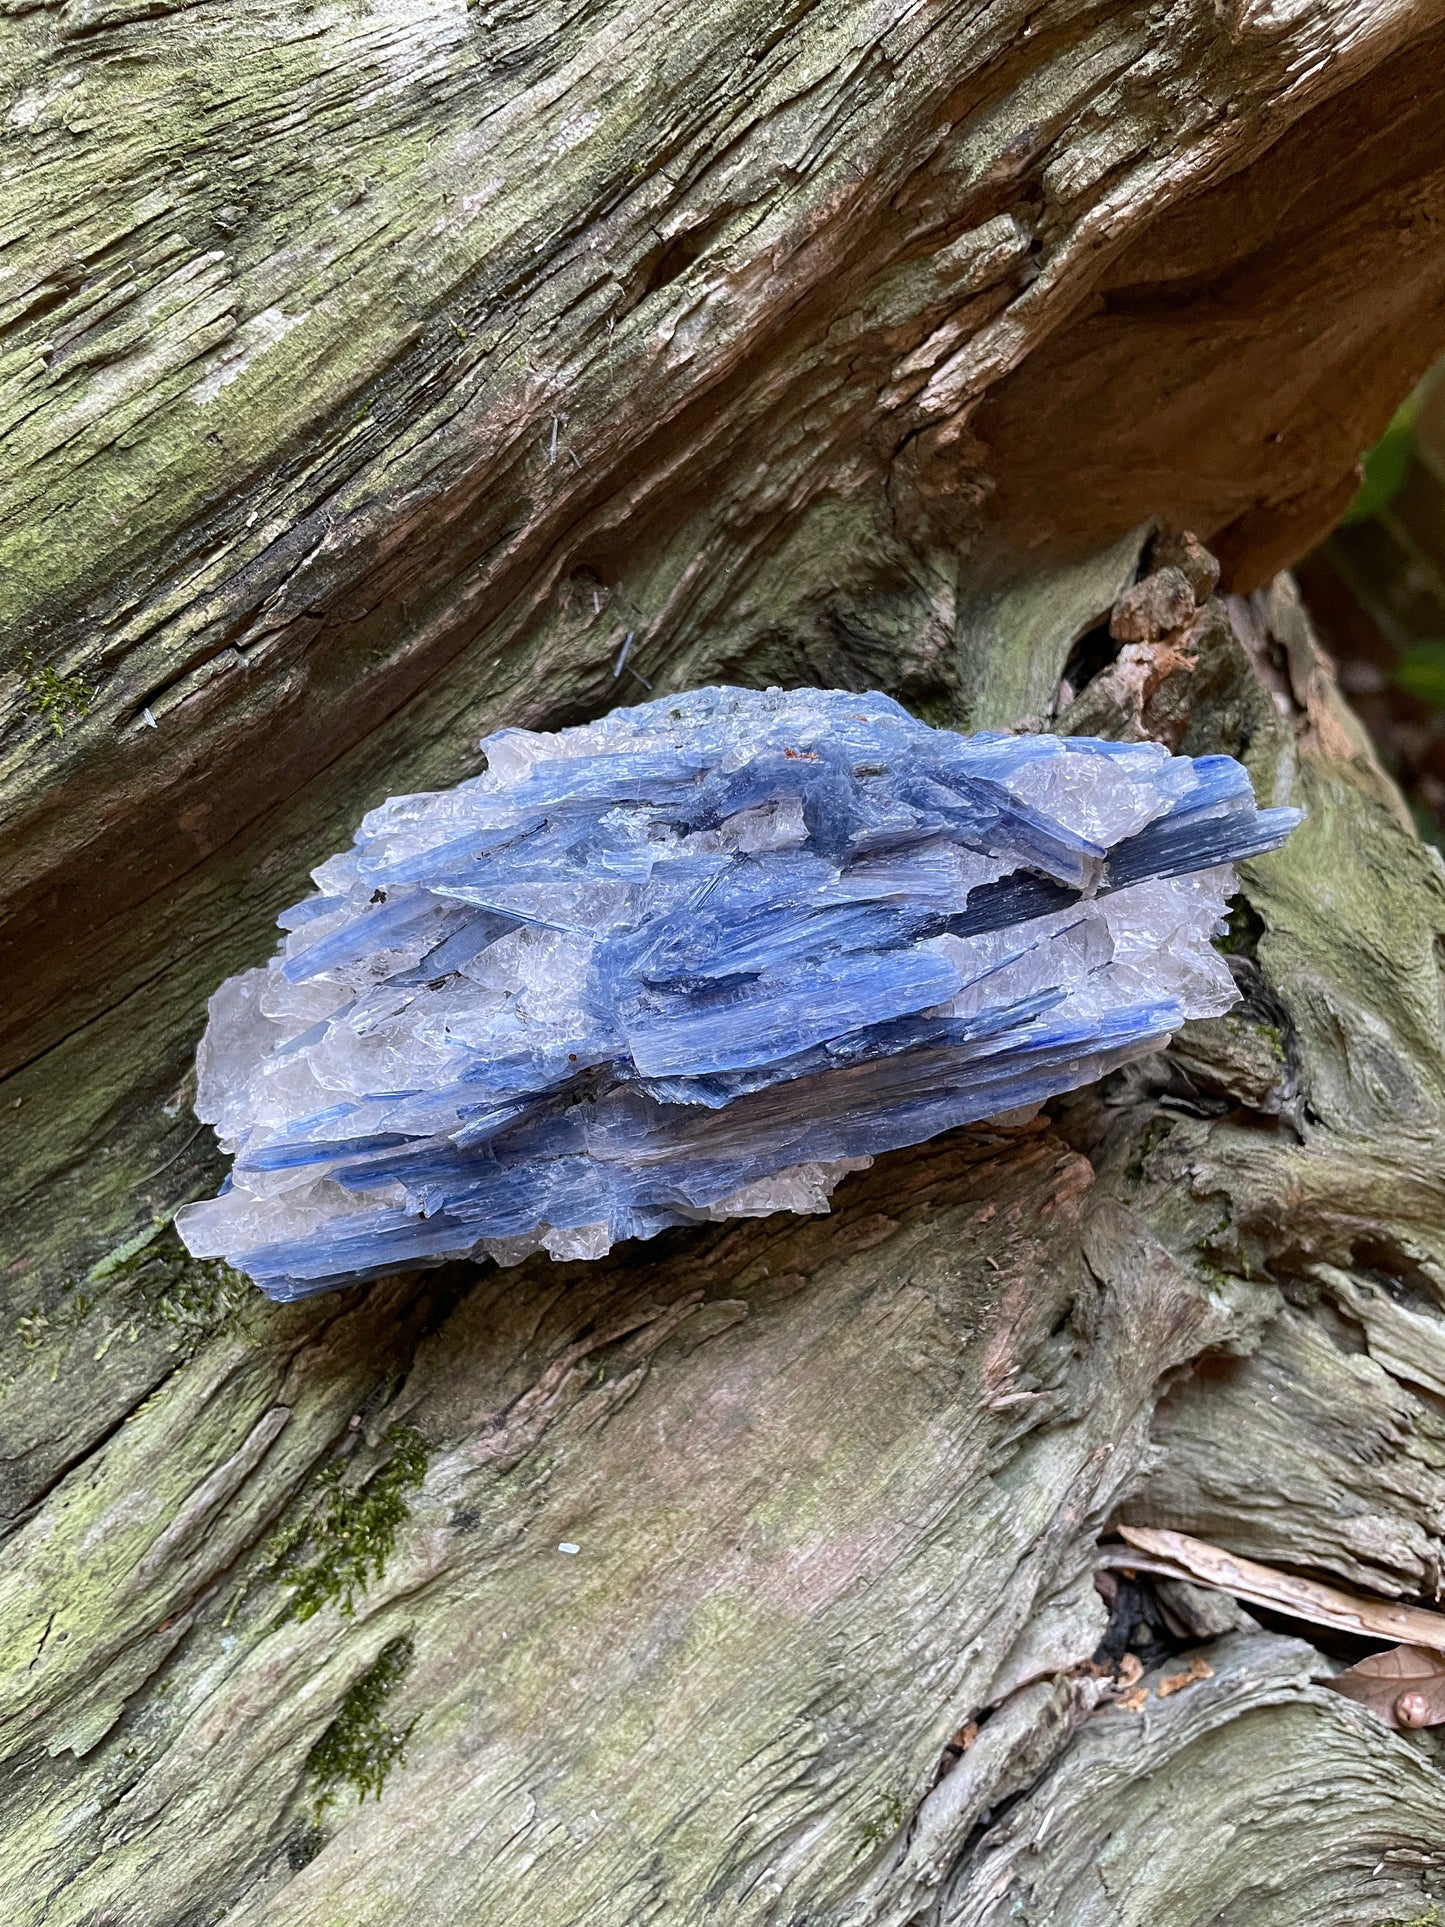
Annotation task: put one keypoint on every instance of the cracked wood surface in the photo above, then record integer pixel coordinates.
(371, 372)
(367, 368)
(834, 1487)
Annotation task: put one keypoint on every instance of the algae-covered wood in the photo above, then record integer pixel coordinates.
(371, 375)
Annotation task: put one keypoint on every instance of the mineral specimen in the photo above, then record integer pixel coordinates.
(696, 961)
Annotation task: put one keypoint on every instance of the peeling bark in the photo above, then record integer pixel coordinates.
(371, 374)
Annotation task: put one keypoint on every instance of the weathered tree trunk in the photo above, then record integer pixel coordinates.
(371, 373)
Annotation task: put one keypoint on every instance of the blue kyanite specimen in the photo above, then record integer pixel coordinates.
(695, 961)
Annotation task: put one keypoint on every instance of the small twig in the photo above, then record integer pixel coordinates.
(1178, 1556)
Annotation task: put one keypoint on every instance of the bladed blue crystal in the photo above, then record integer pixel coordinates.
(698, 960)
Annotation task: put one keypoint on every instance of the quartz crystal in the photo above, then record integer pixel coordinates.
(696, 961)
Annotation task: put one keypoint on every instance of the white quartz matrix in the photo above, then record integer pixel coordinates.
(697, 960)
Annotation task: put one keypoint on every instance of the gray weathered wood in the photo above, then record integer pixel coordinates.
(371, 374)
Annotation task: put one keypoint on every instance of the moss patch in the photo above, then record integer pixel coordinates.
(359, 1749)
(153, 1285)
(885, 1821)
(54, 698)
(1246, 927)
(345, 1539)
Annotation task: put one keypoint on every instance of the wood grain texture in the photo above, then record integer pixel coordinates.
(372, 372)
(1095, 1842)
(372, 368)
(834, 1487)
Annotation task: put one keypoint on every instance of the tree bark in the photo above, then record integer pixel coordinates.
(371, 375)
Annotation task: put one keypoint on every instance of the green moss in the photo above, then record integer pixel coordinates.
(1274, 1037)
(1150, 1138)
(1246, 927)
(939, 712)
(886, 1820)
(1430, 1918)
(359, 1749)
(151, 1284)
(345, 1539)
(56, 699)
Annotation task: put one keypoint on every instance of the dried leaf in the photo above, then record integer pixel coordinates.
(1177, 1556)
(1133, 1700)
(1130, 1669)
(1197, 1669)
(1403, 1687)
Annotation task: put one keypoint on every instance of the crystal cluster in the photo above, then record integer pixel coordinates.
(695, 961)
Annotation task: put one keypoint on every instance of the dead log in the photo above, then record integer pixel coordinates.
(371, 375)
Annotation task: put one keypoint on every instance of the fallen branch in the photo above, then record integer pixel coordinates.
(1174, 1555)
